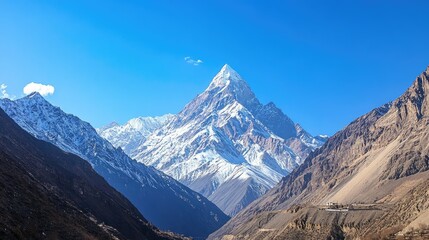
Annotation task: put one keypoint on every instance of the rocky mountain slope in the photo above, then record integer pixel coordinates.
(133, 133)
(49, 194)
(162, 200)
(226, 145)
(377, 167)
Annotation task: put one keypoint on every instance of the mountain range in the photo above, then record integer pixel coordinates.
(224, 144)
(165, 202)
(369, 181)
(224, 154)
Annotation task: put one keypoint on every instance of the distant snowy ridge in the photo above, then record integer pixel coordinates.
(133, 133)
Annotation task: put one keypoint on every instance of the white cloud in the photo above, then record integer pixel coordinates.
(194, 62)
(3, 92)
(44, 90)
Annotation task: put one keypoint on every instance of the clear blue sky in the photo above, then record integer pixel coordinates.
(324, 63)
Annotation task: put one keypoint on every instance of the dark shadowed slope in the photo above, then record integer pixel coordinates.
(378, 163)
(47, 193)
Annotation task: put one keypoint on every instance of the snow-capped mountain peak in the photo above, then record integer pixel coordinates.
(226, 145)
(228, 86)
(226, 76)
(34, 95)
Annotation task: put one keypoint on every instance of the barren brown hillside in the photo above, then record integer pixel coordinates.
(379, 160)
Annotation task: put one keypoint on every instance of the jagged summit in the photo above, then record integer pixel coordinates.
(414, 103)
(228, 84)
(228, 70)
(271, 105)
(34, 95)
(224, 78)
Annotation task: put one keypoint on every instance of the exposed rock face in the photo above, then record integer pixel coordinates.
(226, 145)
(162, 200)
(47, 193)
(379, 158)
